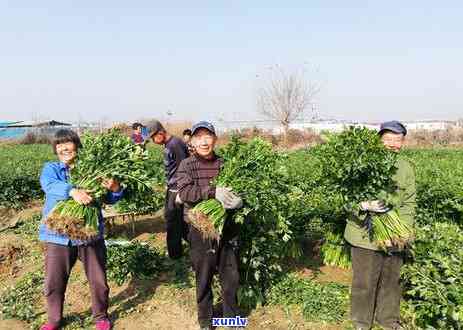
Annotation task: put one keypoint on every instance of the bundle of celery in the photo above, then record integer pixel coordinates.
(248, 168)
(145, 200)
(389, 232)
(209, 217)
(335, 252)
(356, 166)
(74, 220)
(104, 156)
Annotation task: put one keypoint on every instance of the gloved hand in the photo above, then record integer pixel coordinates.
(374, 206)
(178, 200)
(229, 200)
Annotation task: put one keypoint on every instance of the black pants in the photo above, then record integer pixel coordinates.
(176, 226)
(208, 257)
(375, 288)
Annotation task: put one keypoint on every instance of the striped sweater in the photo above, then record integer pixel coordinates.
(194, 177)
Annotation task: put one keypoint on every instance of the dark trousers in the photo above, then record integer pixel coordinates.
(176, 226)
(59, 260)
(375, 288)
(208, 257)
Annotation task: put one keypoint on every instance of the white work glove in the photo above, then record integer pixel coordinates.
(374, 206)
(229, 200)
(178, 200)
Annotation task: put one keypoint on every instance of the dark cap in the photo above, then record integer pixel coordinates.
(154, 127)
(393, 126)
(203, 124)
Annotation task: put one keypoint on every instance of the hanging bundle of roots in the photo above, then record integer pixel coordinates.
(390, 232)
(78, 222)
(208, 217)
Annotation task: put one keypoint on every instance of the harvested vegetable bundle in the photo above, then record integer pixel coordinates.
(356, 165)
(74, 220)
(104, 156)
(389, 232)
(209, 217)
(246, 172)
(144, 200)
(335, 252)
(271, 205)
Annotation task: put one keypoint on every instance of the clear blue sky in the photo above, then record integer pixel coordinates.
(123, 60)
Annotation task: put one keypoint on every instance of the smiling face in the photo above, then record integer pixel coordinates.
(204, 142)
(393, 141)
(66, 152)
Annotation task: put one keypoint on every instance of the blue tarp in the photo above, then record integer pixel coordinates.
(11, 133)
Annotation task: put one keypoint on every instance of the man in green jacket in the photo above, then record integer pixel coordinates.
(376, 290)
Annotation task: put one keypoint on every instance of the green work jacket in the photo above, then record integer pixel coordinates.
(402, 200)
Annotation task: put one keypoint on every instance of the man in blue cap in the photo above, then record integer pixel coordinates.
(376, 291)
(209, 256)
(175, 150)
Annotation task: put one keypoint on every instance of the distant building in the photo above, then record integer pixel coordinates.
(430, 125)
(339, 126)
(10, 133)
(331, 125)
(18, 130)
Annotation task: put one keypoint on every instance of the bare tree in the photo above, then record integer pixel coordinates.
(286, 96)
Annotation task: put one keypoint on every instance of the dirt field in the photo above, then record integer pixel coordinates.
(165, 303)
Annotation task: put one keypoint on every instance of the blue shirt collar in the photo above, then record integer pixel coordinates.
(63, 166)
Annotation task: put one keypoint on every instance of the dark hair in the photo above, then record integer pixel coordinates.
(187, 132)
(136, 125)
(65, 136)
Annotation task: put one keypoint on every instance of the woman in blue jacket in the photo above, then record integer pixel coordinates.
(61, 252)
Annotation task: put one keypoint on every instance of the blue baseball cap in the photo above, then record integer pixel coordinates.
(203, 124)
(393, 126)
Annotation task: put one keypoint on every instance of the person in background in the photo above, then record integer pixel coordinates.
(187, 139)
(186, 135)
(208, 256)
(175, 150)
(61, 253)
(376, 288)
(137, 136)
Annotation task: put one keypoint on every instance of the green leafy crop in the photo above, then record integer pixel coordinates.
(132, 260)
(20, 167)
(434, 281)
(320, 302)
(356, 165)
(104, 156)
(19, 301)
